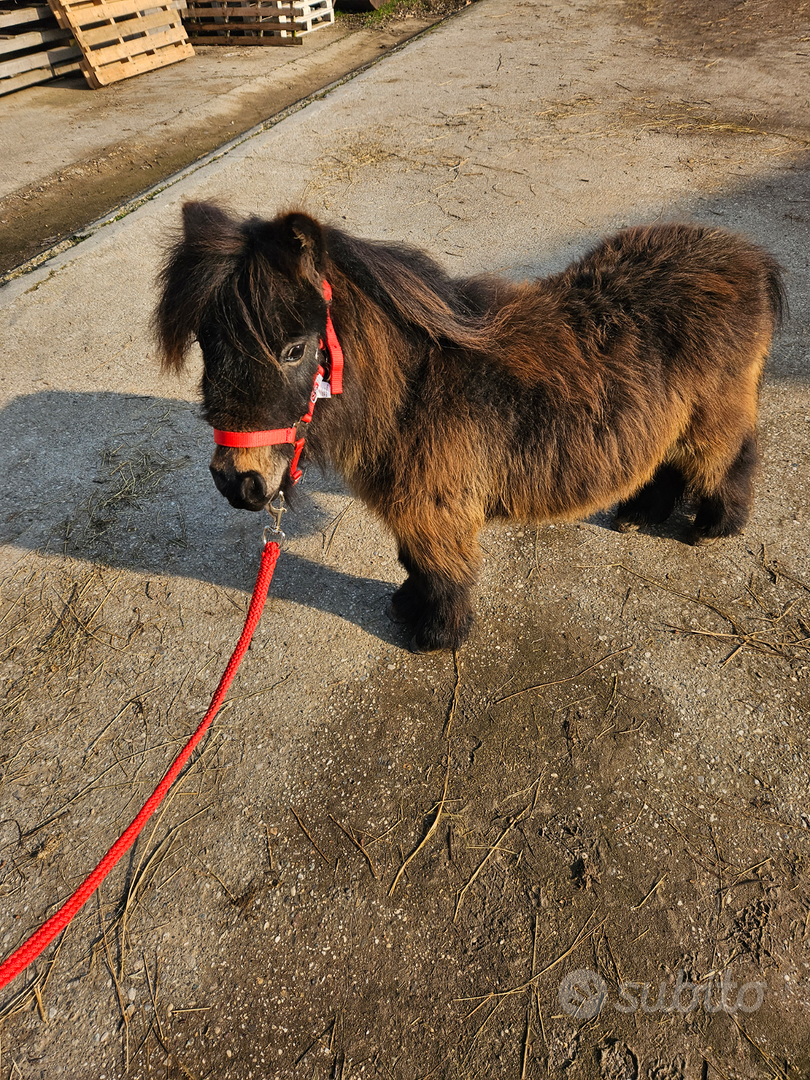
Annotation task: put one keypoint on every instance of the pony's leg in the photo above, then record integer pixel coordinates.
(653, 503)
(409, 600)
(434, 603)
(724, 509)
(446, 618)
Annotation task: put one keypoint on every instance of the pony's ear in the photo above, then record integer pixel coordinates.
(195, 268)
(198, 218)
(211, 230)
(306, 237)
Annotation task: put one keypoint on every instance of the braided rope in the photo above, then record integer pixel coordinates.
(42, 937)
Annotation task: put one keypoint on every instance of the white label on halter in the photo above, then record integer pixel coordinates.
(322, 389)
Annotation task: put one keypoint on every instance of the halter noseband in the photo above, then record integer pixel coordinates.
(320, 389)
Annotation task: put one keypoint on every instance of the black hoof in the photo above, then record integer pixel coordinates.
(698, 538)
(433, 638)
(415, 647)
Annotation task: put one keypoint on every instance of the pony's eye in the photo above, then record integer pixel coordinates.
(294, 353)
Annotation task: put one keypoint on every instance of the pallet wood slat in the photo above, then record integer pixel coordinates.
(240, 37)
(294, 8)
(297, 9)
(244, 10)
(263, 22)
(119, 52)
(223, 33)
(39, 75)
(88, 12)
(45, 58)
(33, 48)
(20, 16)
(203, 38)
(122, 38)
(17, 42)
(217, 39)
(126, 30)
(265, 25)
(137, 65)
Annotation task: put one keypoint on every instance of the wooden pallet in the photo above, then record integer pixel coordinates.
(33, 48)
(261, 22)
(121, 38)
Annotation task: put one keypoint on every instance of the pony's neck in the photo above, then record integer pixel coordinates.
(361, 423)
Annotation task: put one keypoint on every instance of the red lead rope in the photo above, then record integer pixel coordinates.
(41, 938)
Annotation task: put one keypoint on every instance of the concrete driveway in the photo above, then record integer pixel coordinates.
(618, 883)
(72, 155)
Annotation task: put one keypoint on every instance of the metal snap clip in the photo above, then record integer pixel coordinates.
(275, 530)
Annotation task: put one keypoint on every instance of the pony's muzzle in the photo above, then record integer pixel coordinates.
(243, 490)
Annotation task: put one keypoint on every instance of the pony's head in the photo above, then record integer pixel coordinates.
(251, 293)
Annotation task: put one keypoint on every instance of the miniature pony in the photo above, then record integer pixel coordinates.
(630, 378)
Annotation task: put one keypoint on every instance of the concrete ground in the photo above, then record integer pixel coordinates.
(610, 778)
(72, 154)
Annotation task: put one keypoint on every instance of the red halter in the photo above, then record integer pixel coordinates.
(320, 389)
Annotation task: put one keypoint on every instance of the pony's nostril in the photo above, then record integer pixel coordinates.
(253, 489)
(245, 491)
(220, 480)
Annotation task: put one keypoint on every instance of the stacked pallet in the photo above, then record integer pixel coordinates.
(121, 38)
(33, 48)
(256, 22)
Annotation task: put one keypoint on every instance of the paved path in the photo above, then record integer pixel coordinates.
(72, 154)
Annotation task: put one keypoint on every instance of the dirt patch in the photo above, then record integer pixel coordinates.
(518, 861)
(716, 28)
(573, 827)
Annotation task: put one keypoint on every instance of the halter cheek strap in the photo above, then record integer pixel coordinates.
(320, 389)
(332, 346)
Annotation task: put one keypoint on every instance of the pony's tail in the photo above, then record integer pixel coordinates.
(776, 292)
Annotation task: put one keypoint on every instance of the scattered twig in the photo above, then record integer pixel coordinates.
(451, 712)
(40, 1004)
(143, 876)
(486, 858)
(118, 992)
(527, 1042)
(769, 1061)
(357, 843)
(583, 935)
(24, 997)
(264, 689)
(570, 678)
(639, 906)
(487, 1019)
(132, 701)
(396, 825)
(328, 1030)
(335, 525)
(434, 825)
(743, 637)
(309, 837)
